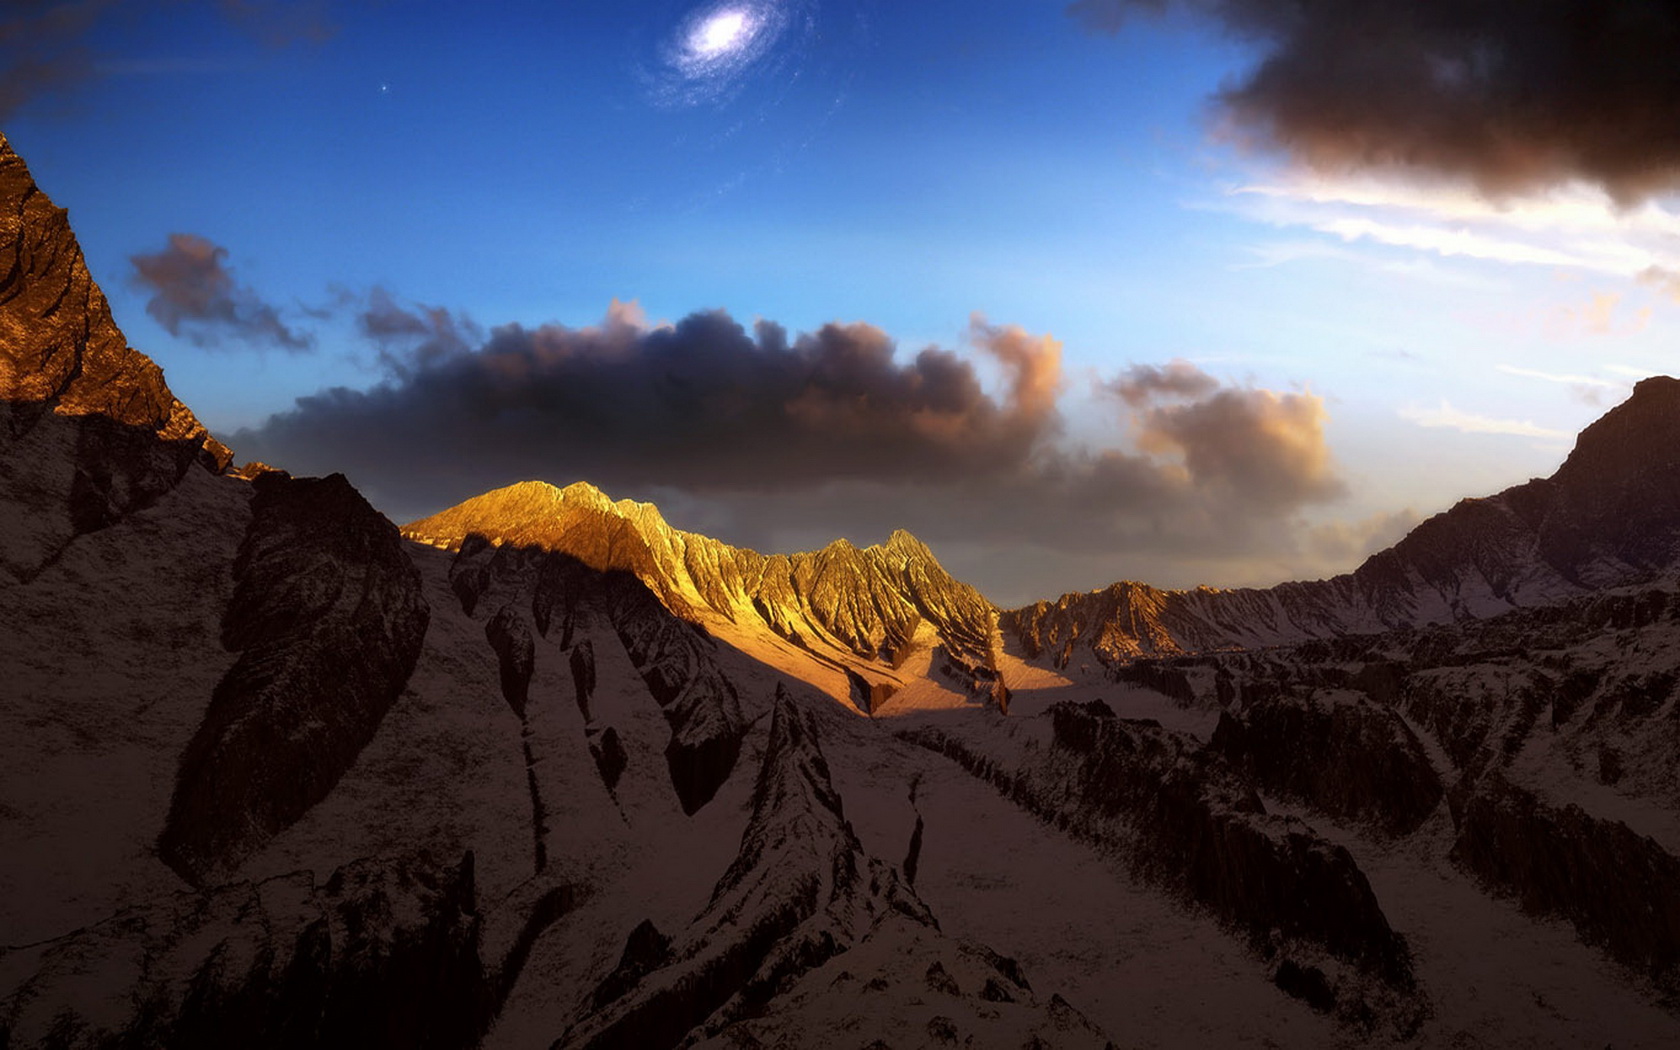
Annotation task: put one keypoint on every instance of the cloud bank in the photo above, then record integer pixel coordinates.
(1514, 95)
(780, 440)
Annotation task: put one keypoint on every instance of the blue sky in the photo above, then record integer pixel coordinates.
(901, 165)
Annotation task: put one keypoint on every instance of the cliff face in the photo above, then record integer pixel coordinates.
(96, 433)
(1609, 515)
(869, 603)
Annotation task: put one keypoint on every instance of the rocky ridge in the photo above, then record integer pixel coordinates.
(1610, 515)
(850, 607)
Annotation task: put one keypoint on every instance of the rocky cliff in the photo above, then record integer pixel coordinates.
(95, 431)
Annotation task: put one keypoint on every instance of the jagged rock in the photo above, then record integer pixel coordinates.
(382, 953)
(867, 601)
(699, 701)
(645, 950)
(610, 757)
(328, 617)
(1619, 888)
(583, 676)
(1336, 751)
(515, 656)
(868, 696)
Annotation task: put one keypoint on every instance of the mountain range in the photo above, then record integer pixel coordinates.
(543, 770)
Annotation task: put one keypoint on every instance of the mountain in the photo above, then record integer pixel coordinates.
(866, 613)
(1610, 515)
(543, 771)
(91, 426)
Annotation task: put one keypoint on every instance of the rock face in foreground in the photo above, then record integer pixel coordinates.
(381, 953)
(1609, 515)
(868, 602)
(328, 618)
(1620, 889)
(95, 431)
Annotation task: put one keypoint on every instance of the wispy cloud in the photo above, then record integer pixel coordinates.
(1446, 417)
(1575, 227)
(1564, 378)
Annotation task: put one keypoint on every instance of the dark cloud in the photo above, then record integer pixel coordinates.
(783, 442)
(1516, 95)
(42, 48)
(410, 338)
(46, 49)
(194, 294)
(703, 404)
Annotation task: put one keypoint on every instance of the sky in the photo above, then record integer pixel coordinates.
(1186, 291)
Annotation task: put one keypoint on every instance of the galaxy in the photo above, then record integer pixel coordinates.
(711, 53)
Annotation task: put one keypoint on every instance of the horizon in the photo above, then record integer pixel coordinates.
(1073, 296)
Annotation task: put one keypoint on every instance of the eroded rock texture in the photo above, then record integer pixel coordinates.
(328, 617)
(870, 602)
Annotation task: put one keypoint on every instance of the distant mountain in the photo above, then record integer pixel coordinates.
(1610, 515)
(864, 611)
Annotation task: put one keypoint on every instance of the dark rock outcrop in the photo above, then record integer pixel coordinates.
(699, 701)
(328, 618)
(382, 953)
(1620, 889)
(1336, 751)
(515, 656)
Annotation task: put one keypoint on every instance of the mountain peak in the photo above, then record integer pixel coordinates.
(1637, 435)
(858, 601)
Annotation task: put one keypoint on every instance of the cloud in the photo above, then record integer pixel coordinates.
(1179, 378)
(1513, 95)
(1577, 228)
(45, 49)
(1261, 448)
(194, 294)
(1340, 545)
(42, 48)
(1665, 280)
(781, 441)
(1450, 418)
(703, 404)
